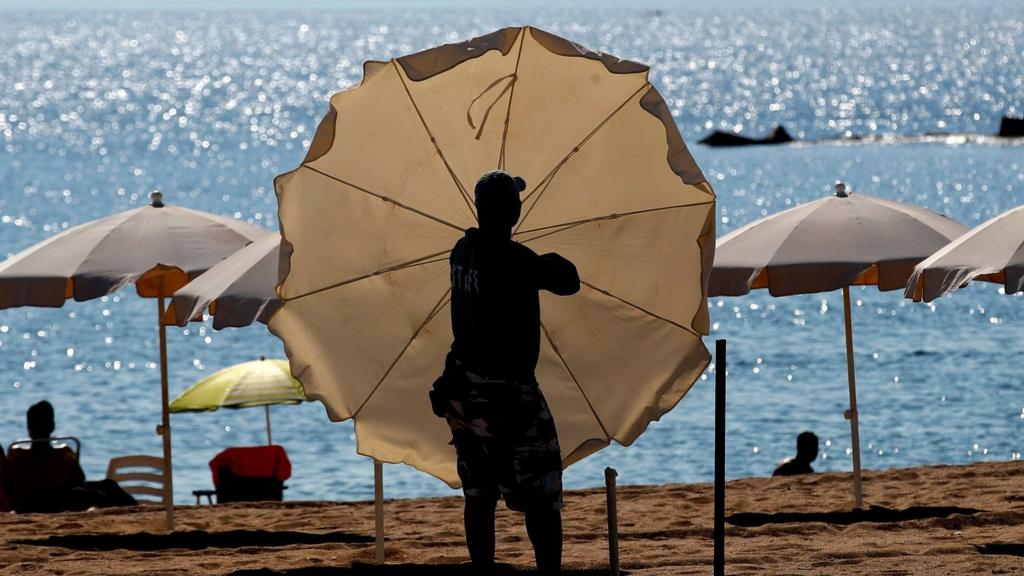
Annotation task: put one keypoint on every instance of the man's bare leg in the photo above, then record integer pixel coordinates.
(479, 523)
(544, 526)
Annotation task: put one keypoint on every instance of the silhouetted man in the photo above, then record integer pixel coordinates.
(806, 452)
(503, 433)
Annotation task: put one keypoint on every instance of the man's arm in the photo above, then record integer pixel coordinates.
(556, 274)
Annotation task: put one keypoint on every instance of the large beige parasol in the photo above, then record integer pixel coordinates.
(835, 242)
(370, 216)
(992, 251)
(159, 248)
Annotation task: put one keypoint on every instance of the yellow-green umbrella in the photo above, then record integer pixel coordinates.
(258, 383)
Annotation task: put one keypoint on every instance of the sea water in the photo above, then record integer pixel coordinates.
(98, 108)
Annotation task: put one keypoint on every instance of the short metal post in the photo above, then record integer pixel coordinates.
(613, 520)
(719, 530)
(378, 509)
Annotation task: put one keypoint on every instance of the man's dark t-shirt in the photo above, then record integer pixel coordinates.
(495, 302)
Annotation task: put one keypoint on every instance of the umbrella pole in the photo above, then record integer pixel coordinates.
(378, 508)
(851, 414)
(165, 426)
(266, 412)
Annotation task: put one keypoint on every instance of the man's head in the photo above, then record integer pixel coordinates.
(497, 200)
(40, 420)
(807, 446)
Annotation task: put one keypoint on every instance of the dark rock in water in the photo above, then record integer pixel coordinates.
(779, 136)
(1011, 127)
(719, 138)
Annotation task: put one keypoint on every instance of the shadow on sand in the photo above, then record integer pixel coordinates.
(1001, 549)
(872, 514)
(360, 569)
(192, 540)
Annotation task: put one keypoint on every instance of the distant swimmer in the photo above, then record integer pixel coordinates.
(806, 452)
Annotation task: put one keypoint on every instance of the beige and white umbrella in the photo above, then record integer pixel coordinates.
(237, 291)
(370, 216)
(992, 251)
(836, 242)
(159, 248)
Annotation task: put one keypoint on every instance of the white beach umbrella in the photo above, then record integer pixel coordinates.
(236, 291)
(385, 191)
(992, 251)
(159, 248)
(836, 242)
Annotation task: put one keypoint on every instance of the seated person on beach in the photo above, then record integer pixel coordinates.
(806, 452)
(505, 441)
(42, 478)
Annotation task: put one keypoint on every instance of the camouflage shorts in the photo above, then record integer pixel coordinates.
(505, 442)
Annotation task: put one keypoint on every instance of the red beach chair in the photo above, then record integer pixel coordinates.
(251, 473)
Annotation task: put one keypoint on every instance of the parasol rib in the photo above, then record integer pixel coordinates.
(383, 197)
(543, 186)
(445, 298)
(556, 228)
(554, 347)
(508, 111)
(421, 261)
(433, 140)
(639, 308)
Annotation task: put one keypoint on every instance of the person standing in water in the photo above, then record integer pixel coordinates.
(502, 429)
(806, 452)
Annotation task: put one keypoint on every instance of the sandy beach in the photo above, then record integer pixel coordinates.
(928, 520)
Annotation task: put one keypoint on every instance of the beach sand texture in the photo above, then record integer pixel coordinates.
(935, 520)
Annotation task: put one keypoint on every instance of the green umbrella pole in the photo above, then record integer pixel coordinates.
(266, 412)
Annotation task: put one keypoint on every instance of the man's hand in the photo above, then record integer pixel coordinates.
(558, 274)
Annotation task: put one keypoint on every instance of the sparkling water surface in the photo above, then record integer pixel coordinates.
(97, 109)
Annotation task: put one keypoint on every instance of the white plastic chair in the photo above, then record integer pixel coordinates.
(139, 475)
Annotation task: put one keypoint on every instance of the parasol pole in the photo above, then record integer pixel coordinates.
(266, 412)
(718, 529)
(851, 414)
(378, 509)
(165, 427)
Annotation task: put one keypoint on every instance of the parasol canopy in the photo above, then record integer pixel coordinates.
(158, 247)
(237, 291)
(842, 240)
(836, 242)
(370, 216)
(992, 251)
(258, 383)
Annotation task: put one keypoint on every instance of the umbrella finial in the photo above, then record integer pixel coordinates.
(156, 199)
(841, 190)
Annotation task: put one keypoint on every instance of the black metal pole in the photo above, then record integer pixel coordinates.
(719, 531)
